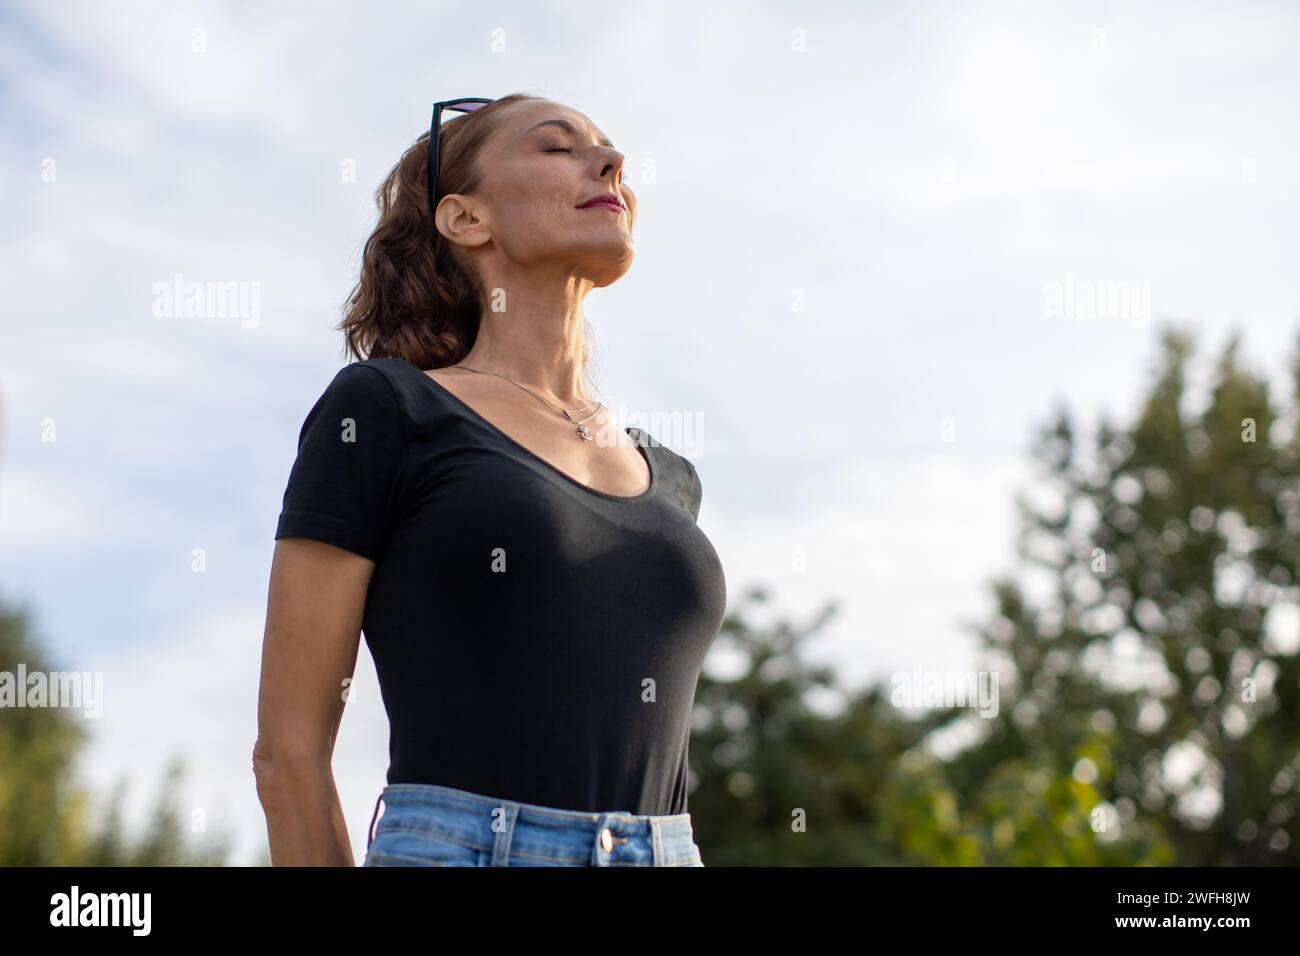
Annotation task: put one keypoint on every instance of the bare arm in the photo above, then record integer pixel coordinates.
(313, 627)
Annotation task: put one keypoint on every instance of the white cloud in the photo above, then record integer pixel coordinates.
(906, 547)
(59, 510)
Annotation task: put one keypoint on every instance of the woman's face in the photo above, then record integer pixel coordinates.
(540, 165)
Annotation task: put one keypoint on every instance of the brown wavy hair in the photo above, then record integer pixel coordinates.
(414, 299)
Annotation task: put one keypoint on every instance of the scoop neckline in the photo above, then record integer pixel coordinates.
(469, 409)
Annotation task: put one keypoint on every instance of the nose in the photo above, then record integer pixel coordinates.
(611, 164)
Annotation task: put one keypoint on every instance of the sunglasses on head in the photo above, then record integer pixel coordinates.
(466, 104)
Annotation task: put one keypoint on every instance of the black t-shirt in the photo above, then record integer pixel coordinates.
(535, 639)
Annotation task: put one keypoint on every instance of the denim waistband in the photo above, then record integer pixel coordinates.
(509, 829)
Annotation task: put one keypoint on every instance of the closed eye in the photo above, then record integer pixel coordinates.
(559, 149)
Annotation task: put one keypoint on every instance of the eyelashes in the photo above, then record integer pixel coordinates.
(569, 149)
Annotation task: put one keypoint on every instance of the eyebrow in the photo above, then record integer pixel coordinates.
(568, 127)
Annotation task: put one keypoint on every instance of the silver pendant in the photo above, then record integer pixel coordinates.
(582, 432)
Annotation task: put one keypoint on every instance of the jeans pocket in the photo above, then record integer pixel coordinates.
(398, 846)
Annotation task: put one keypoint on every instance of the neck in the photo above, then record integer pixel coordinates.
(538, 339)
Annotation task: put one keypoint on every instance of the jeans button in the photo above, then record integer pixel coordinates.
(606, 840)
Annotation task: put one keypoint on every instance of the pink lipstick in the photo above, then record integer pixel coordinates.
(605, 201)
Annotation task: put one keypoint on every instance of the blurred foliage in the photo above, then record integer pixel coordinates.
(46, 818)
(1146, 716)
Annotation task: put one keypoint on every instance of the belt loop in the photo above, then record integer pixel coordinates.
(656, 842)
(370, 833)
(502, 840)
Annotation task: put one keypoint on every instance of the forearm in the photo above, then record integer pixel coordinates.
(304, 817)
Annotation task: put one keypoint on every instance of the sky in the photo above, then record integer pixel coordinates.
(866, 243)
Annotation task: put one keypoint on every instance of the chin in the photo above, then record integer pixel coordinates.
(604, 279)
(605, 262)
(608, 273)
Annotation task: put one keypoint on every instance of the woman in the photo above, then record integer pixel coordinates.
(534, 590)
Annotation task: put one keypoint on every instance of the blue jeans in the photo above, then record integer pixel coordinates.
(429, 825)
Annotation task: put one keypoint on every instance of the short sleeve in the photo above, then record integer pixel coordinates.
(343, 485)
(694, 492)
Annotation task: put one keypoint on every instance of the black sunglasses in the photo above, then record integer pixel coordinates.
(465, 105)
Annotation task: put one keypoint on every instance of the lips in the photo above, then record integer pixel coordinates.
(604, 200)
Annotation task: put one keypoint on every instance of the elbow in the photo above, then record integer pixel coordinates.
(263, 767)
(280, 770)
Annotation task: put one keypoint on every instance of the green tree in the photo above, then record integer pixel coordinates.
(1152, 673)
(1145, 693)
(1147, 689)
(45, 814)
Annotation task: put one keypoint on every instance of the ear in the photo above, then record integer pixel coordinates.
(462, 219)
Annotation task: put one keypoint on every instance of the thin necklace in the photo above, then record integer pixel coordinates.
(582, 426)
